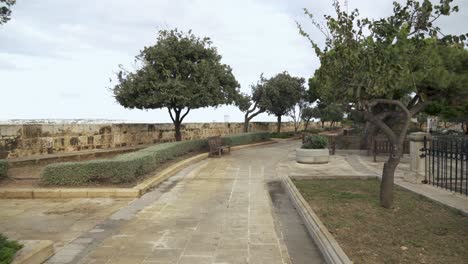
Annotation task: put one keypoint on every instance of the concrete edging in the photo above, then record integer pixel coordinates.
(34, 252)
(134, 192)
(331, 250)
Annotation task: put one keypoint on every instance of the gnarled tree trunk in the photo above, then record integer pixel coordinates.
(247, 118)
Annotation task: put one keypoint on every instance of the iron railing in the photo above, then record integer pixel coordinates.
(446, 161)
(380, 146)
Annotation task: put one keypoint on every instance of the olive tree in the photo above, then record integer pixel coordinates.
(307, 114)
(371, 66)
(282, 92)
(180, 72)
(252, 105)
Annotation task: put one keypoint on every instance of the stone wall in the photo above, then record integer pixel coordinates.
(41, 139)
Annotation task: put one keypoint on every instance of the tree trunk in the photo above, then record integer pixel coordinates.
(178, 134)
(278, 125)
(177, 119)
(386, 185)
(246, 124)
(323, 124)
(306, 125)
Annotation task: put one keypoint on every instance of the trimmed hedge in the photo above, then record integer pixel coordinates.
(3, 169)
(282, 134)
(128, 167)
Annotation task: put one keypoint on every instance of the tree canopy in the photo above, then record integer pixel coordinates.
(253, 104)
(180, 72)
(282, 93)
(328, 113)
(371, 66)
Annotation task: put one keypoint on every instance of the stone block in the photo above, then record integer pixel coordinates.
(73, 193)
(46, 193)
(127, 193)
(101, 193)
(19, 193)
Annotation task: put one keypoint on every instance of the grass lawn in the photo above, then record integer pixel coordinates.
(417, 230)
(7, 250)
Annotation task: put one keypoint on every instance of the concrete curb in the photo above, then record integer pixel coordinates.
(34, 252)
(331, 250)
(134, 192)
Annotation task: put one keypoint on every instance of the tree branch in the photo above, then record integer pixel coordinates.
(255, 114)
(184, 115)
(170, 113)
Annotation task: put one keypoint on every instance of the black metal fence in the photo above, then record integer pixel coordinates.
(380, 146)
(446, 160)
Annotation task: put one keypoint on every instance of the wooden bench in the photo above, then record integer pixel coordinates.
(215, 146)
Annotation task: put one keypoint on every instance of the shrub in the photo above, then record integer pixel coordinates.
(282, 134)
(246, 138)
(3, 169)
(128, 167)
(315, 142)
(313, 131)
(8, 249)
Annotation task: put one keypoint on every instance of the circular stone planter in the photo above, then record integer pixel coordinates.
(312, 156)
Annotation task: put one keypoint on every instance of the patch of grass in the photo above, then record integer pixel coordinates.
(8, 249)
(416, 230)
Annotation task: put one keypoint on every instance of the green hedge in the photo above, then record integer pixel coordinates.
(128, 167)
(282, 134)
(242, 139)
(3, 169)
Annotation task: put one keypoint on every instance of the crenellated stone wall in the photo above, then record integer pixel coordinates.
(41, 139)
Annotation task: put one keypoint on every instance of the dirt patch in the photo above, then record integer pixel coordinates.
(35, 182)
(416, 230)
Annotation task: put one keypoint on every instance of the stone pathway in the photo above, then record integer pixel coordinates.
(59, 220)
(217, 211)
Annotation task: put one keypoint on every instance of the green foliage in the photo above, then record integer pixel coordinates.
(181, 71)
(329, 112)
(282, 134)
(255, 100)
(254, 104)
(8, 249)
(313, 131)
(390, 58)
(283, 92)
(246, 138)
(5, 10)
(371, 66)
(128, 167)
(315, 142)
(3, 169)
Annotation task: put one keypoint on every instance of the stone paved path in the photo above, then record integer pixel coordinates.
(219, 211)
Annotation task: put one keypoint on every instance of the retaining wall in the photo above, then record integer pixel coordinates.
(42, 139)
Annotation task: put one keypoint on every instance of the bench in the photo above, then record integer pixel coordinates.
(215, 146)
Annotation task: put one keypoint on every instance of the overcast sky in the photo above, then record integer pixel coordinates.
(56, 56)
